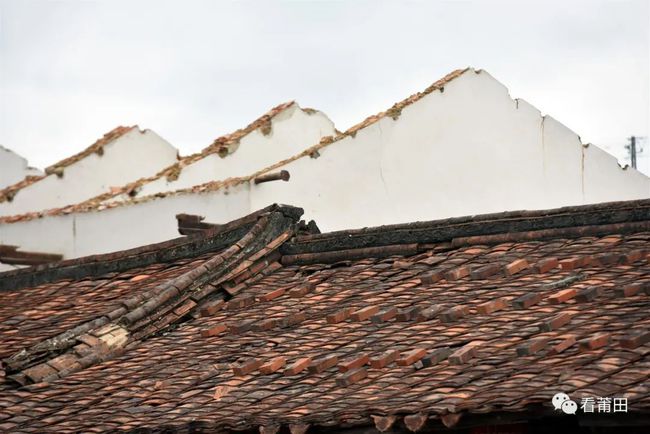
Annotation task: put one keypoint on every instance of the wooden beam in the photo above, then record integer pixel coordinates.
(10, 255)
(282, 175)
(189, 224)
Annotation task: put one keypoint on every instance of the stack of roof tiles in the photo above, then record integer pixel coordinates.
(260, 325)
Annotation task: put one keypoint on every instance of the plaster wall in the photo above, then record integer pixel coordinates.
(154, 221)
(14, 168)
(470, 149)
(134, 155)
(82, 234)
(292, 131)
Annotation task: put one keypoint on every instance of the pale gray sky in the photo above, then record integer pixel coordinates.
(193, 70)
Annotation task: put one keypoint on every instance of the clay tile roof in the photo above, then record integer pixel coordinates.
(259, 325)
(9, 192)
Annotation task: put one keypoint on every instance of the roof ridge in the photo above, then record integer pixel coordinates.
(569, 222)
(619, 217)
(96, 202)
(222, 145)
(150, 312)
(8, 193)
(96, 147)
(177, 248)
(396, 108)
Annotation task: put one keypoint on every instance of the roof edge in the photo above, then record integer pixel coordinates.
(142, 315)
(177, 248)
(612, 217)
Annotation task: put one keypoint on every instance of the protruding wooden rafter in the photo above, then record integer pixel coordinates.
(189, 224)
(10, 255)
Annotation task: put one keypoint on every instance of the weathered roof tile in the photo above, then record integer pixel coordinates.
(146, 354)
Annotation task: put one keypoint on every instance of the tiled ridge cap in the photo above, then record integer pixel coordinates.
(227, 141)
(568, 232)
(94, 148)
(143, 315)
(611, 217)
(97, 202)
(394, 112)
(222, 146)
(182, 247)
(397, 108)
(9, 192)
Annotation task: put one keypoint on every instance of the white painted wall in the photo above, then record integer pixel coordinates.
(134, 155)
(291, 131)
(468, 150)
(153, 221)
(14, 168)
(82, 234)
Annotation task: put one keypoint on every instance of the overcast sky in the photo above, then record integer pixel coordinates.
(194, 70)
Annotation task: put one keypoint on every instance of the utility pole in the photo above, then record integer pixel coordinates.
(632, 149)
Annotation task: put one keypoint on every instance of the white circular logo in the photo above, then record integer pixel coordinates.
(558, 399)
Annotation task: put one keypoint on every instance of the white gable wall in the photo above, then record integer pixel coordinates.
(627, 183)
(151, 222)
(82, 234)
(14, 168)
(291, 131)
(468, 150)
(133, 155)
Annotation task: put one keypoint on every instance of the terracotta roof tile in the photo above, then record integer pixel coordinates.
(138, 354)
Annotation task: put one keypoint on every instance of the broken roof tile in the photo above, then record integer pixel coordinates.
(297, 366)
(95, 340)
